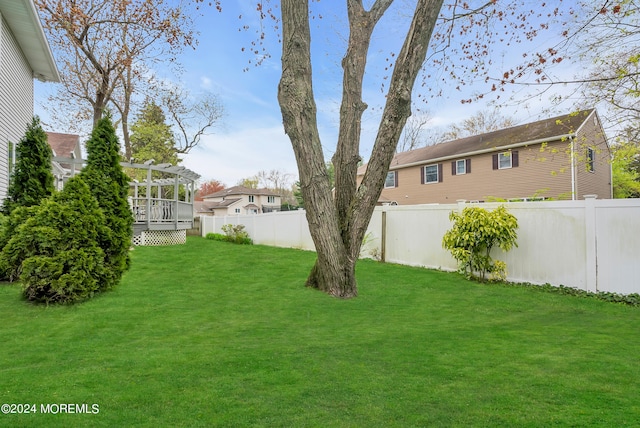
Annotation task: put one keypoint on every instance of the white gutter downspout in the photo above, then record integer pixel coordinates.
(573, 171)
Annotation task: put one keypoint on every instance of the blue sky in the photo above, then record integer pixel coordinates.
(251, 138)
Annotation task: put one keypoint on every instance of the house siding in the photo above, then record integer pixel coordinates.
(598, 181)
(545, 173)
(16, 99)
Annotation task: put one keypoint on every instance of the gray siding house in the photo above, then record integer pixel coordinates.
(24, 55)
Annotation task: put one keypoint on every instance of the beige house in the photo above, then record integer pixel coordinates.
(564, 157)
(64, 146)
(239, 200)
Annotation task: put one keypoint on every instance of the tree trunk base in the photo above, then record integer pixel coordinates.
(337, 281)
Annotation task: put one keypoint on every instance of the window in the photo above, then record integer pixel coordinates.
(392, 179)
(505, 160)
(460, 167)
(431, 174)
(237, 210)
(591, 159)
(251, 198)
(271, 199)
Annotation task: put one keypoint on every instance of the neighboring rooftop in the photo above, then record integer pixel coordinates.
(63, 145)
(239, 190)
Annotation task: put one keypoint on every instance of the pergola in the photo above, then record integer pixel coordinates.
(152, 208)
(158, 204)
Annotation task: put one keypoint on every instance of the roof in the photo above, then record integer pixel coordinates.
(239, 190)
(206, 206)
(552, 129)
(22, 18)
(63, 144)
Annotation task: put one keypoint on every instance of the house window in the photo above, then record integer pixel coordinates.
(391, 180)
(432, 174)
(505, 160)
(251, 198)
(237, 210)
(591, 159)
(271, 199)
(461, 166)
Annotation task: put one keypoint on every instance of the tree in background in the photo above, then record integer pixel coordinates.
(413, 134)
(480, 123)
(151, 137)
(192, 116)
(110, 186)
(105, 48)
(249, 182)
(626, 170)
(207, 188)
(31, 179)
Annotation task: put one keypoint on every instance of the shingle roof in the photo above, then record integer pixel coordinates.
(548, 129)
(63, 145)
(206, 206)
(239, 190)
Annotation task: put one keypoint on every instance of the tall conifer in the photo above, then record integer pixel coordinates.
(32, 179)
(110, 186)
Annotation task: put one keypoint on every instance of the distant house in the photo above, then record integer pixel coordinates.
(564, 157)
(24, 55)
(239, 200)
(64, 146)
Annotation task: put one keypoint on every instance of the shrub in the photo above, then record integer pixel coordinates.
(55, 251)
(32, 179)
(216, 237)
(475, 232)
(237, 234)
(110, 186)
(10, 269)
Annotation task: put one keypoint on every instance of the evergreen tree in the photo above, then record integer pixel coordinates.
(110, 186)
(55, 252)
(151, 137)
(32, 179)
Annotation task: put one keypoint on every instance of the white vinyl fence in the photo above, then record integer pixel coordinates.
(592, 245)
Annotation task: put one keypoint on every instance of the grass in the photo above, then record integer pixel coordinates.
(215, 334)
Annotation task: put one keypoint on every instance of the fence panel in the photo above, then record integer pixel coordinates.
(618, 245)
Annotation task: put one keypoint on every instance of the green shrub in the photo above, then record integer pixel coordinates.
(237, 234)
(9, 268)
(475, 232)
(31, 179)
(216, 237)
(55, 251)
(110, 186)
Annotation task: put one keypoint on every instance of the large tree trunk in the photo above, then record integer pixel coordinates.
(338, 225)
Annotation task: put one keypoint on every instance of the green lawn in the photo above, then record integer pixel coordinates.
(216, 334)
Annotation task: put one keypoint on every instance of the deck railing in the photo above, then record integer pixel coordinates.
(158, 210)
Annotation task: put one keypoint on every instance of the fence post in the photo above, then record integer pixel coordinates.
(591, 243)
(383, 237)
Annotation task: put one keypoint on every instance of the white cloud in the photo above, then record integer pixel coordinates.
(242, 153)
